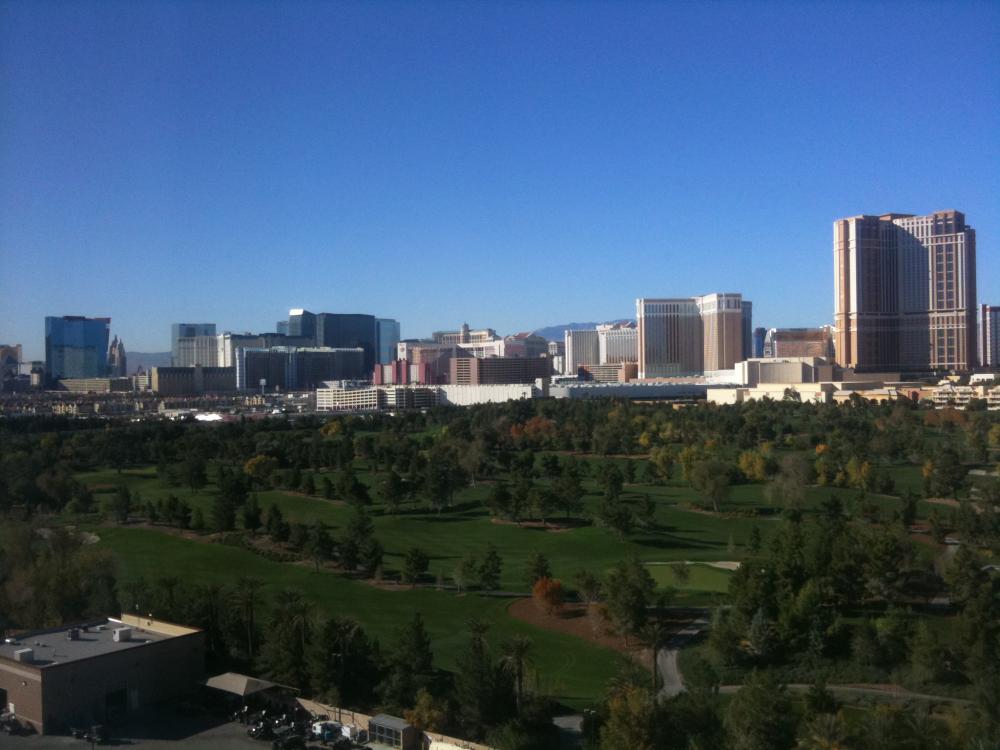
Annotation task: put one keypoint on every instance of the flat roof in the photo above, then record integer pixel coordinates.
(95, 638)
(393, 722)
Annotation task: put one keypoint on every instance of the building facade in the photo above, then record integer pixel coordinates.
(387, 333)
(617, 343)
(670, 337)
(296, 369)
(117, 359)
(757, 351)
(95, 672)
(989, 336)
(799, 342)
(76, 347)
(583, 347)
(348, 331)
(191, 381)
(905, 292)
(498, 370)
(722, 321)
(196, 350)
(186, 330)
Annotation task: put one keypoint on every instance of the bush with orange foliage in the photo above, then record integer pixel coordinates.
(547, 594)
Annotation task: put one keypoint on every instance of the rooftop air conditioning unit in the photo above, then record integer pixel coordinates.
(120, 635)
(24, 655)
(73, 634)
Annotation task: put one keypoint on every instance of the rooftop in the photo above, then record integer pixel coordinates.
(94, 638)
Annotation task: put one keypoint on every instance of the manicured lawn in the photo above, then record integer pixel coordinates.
(570, 669)
(702, 578)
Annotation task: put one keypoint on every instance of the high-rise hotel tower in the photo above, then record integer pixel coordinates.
(905, 292)
(692, 335)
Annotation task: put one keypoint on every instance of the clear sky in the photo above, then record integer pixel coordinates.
(509, 164)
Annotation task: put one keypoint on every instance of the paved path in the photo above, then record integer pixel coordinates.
(666, 662)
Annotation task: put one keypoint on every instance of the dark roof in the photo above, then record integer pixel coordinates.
(393, 722)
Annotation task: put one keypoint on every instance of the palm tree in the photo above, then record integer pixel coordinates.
(824, 732)
(515, 662)
(245, 600)
(655, 634)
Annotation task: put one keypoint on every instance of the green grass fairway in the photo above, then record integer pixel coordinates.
(572, 670)
(703, 578)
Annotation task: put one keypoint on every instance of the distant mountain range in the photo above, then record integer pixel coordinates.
(145, 360)
(555, 333)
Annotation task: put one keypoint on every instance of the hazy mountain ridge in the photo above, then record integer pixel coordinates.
(555, 333)
(145, 360)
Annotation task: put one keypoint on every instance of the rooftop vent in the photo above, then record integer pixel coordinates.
(24, 655)
(121, 635)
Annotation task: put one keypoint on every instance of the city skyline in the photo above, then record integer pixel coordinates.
(189, 162)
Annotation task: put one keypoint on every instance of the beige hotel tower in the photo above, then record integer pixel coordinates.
(905, 292)
(692, 335)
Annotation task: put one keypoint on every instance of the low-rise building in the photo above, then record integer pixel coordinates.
(498, 370)
(94, 672)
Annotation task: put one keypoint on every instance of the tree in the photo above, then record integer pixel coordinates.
(542, 500)
(490, 569)
(260, 469)
(414, 564)
(466, 572)
(927, 657)
(711, 480)
(370, 556)
(391, 491)
(569, 492)
(537, 567)
(761, 716)
(654, 634)
(344, 664)
(615, 515)
(630, 722)
(499, 501)
(223, 513)
(121, 504)
(245, 597)
(252, 515)
(682, 573)
(515, 661)
(548, 595)
(483, 694)
(198, 520)
(428, 714)
(286, 651)
(195, 476)
(319, 544)
(629, 592)
(408, 666)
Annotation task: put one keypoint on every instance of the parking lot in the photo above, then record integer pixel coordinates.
(152, 729)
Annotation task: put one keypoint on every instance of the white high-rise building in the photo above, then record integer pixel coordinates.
(190, 351)
(989, 336)
(617, 343)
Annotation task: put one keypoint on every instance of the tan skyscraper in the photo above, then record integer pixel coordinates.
(905, 292)
(722, 330)
(691, 335)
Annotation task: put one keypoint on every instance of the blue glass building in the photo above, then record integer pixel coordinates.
(76, 347)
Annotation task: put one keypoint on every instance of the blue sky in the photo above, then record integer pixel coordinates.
(510, 164)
